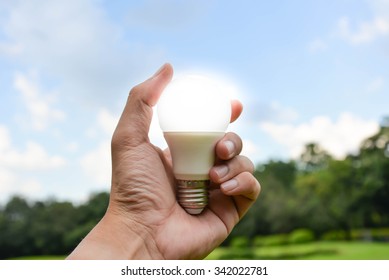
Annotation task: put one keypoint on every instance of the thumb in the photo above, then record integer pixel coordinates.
(134, 123)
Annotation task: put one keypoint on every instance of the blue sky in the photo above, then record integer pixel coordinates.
(305, 71)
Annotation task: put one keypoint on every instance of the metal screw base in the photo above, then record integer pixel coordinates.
(193, 195)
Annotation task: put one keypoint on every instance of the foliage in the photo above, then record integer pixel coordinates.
(239, 242)
(47, 228)
(271, 240)
(299, 236)
(323, 194)
(375, 234)
(334, 235)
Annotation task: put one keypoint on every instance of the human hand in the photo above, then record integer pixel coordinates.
(143, 219)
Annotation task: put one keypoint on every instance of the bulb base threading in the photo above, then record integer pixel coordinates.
(192, 195)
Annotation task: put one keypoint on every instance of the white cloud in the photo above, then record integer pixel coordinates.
(317, 45)
(338, 137)
(5, 140)
(14, 184)
(39, 106)
(31, 188)
(155, 132)
(34, 157)
(16, 166)
(366, 32)
(7, 180)
(97, 162)
(72, 147)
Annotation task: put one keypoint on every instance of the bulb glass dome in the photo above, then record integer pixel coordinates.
(194, 103)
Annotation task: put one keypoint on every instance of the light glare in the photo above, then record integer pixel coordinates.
(194, 103)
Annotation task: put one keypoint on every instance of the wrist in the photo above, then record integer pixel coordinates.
(112, 238)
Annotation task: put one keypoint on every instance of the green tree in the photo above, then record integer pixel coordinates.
(52, 220)
(274, 211)
(94, 209)
(329, 197)
(15, 223)
(373, 166)
(88, 215)
(313, 158)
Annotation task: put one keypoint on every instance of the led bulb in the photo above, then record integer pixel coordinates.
(194, 113)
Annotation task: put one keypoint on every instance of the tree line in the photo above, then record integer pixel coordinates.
(47, 227)
(323, 194)
(315, 192)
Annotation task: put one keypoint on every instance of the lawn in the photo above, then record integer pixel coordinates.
(339, 250)
(44, 257)
(322, 250)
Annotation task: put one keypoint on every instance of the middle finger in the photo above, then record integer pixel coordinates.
(229, 169)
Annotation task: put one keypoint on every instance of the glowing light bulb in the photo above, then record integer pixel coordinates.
(194, 113)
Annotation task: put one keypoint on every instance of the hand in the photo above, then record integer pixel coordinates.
(143, 219)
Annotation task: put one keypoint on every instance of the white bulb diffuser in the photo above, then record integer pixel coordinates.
(194, 113)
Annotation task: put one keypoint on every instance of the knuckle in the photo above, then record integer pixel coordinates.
(241, 164)
(115, 141)
(250, 179)
(247, 164)
(135, 90)
(259, 188)
(251, 166)
(252, 185)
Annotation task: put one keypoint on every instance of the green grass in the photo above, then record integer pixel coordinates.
(48, 257)
(322, 250)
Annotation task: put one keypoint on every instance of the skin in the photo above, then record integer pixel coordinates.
(143, 219)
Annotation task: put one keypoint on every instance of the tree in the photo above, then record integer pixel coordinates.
(274, 211)
(373, 166)
(52, 220)
(15, 224)
(313, 158)
(94, 209)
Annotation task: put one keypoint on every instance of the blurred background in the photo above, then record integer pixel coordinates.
(313, 78)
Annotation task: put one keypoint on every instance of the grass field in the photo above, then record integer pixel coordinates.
(48, 257)
(338, 250)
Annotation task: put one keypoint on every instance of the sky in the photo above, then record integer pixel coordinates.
(305, 71)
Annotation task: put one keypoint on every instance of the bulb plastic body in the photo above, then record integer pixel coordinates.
(194, 114)
(193, 156)
(193, 153)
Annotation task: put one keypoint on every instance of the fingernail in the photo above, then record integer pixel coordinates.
(159, 71)
(230, 147)
(221, 170)
(229, 185)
